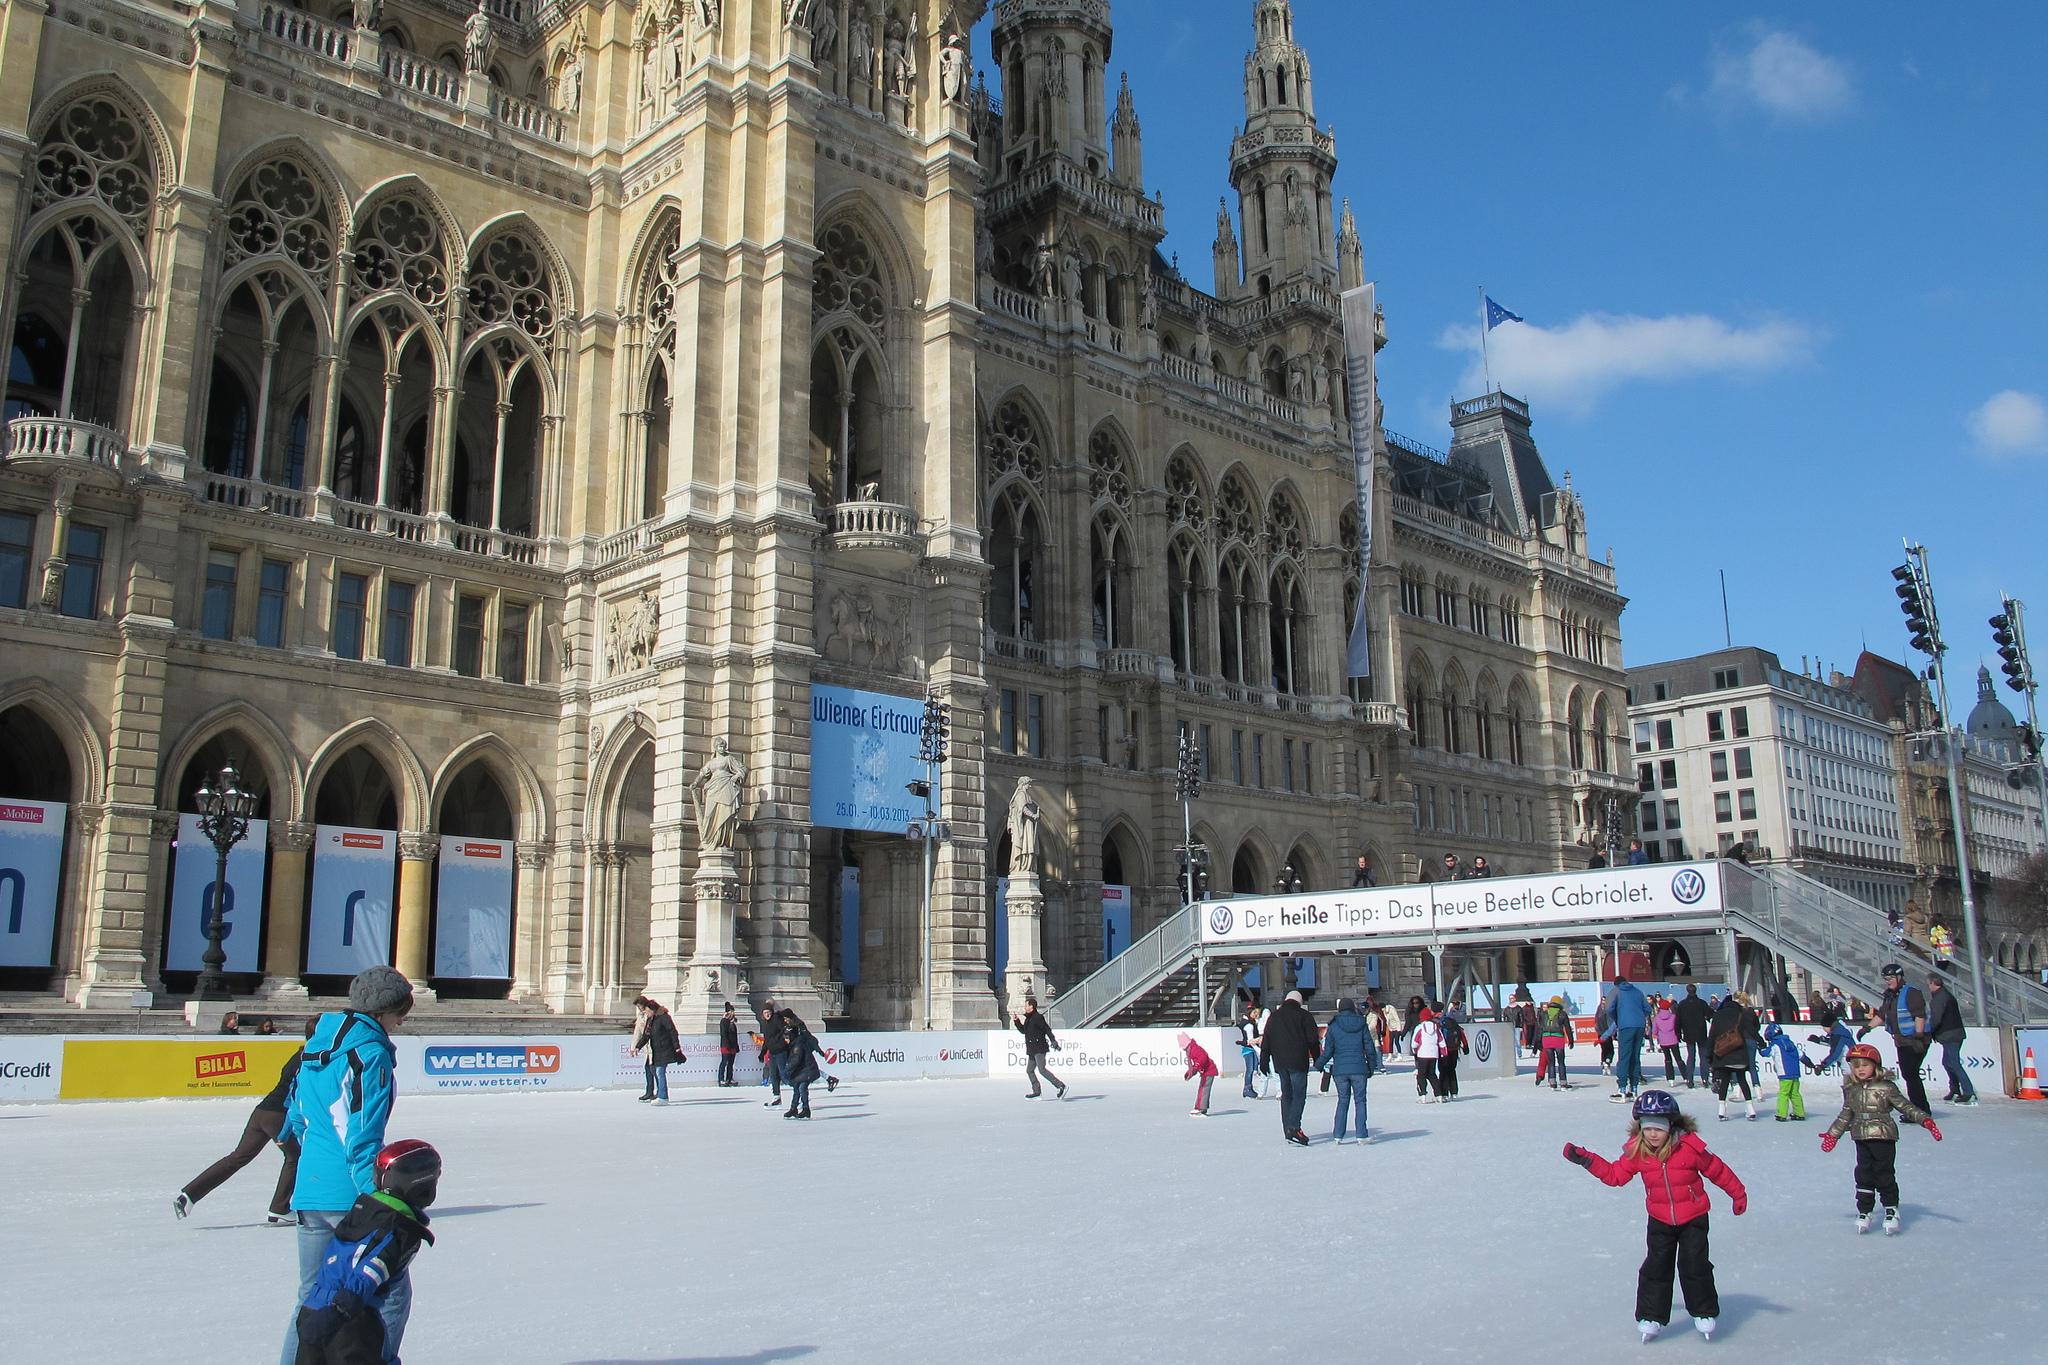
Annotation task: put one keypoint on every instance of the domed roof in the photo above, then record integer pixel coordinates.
(1989, 721)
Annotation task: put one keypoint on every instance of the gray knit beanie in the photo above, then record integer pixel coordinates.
(380, 990)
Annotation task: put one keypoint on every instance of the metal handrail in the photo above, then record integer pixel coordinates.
(1137, 969)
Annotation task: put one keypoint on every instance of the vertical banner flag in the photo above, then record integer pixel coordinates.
(999, 932)
(1116, 920)
(849, 925)
(1361, 311)
(863, 758)
(192, 898)
(31, 869)
(348, 925)
(473, 909)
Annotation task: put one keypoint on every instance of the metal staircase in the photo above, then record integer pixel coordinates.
(1152, 981)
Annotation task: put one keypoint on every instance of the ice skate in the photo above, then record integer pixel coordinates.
(278, 1220)
(1706, 1326)
(1892, 1225)
(1059, 1092)
(1649, 1329)
(1862, 1223)
(182, 1205)
(1617, 1098)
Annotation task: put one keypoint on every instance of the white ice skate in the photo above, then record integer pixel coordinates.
(1892, 1225)
(1649, 1329)
(1862, 1223)
(1706, 1326)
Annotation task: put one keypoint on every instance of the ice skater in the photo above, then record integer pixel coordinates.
(800, 1054)
(1554, 1034)
(1869, 1094)
(1791, 1104)
(1351, 1057)
(1426, 1045)
(265, 1125)
(1728, 1048)
(728, 1045)
(1201, 1064)
(366, 1257)
(1291, 1045)
(1665, 1149)
(1038, 1041)
(1839, 1038)
(1248, 1048)
(772, 1051)
(656, 1035)
(1453, 1034)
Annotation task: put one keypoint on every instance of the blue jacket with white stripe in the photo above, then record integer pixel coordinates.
(338, 1110)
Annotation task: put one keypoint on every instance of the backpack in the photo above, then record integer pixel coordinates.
(1453, 1034)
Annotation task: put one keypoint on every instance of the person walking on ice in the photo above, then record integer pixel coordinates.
(1665, 1149)
(1248, 1049)
(1869, 1094)
(1201, 1064)
(1038, 1041)
(1351, 1056)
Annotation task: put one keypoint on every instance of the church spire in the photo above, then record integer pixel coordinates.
(1227, 277)
(1127, 140)
(1282, 163)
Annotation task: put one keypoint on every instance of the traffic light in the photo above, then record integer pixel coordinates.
(1920, 628)
(2016, 667)
(2030, 742)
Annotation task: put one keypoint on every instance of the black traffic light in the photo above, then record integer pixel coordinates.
(2030, 742)
(1919, 612)
(2015, 666)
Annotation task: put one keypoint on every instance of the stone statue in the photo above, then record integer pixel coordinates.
(1046, 269)
(717, 793)
(1073, 275)
(984, 247)
(1297, 384)
(1025, 817)
(1148, 308)
(569, 93)
(1201, 336)
(479, 40)
(824, 31)
(860, 53)
(707, 14)
(902, 66)
(1319, 387)
(366, 13)
(954, 68)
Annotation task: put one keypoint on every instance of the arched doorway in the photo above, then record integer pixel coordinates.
(190, 889)
(472, 927)
(618, 929)
(36, 792)
(1118, 922)
(351, 911)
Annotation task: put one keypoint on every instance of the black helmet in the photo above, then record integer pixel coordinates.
(1892, 969)
(409, 1169)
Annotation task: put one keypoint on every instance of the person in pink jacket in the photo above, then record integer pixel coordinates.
(1200, 1063)
(1664, 1032)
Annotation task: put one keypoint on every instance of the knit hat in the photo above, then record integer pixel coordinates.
(380, 990)
(1182, 1039)
(1557, 1000)
(1654, 1121)
(1294, 997)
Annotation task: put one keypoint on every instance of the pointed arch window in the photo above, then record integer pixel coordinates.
(846, 420)
(1111, 560)
(1575, 735)
(1287, 624)
(1233, 616)
(1015, 541)
(1185, 586)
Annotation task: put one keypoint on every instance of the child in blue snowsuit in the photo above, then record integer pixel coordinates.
(1790, 1065)
(371, 1247)
(1839, 1037)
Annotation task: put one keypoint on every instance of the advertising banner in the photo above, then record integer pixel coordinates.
(192, 898)
(348, 924)
(170, 1068)
(434, 1065)
(863, 758)
(1980, 1059)
(31, 869)
(1448, 908)
(473, 909)
(1089, 1055)
(29, 1068)
(849, 925)
(1116, 920)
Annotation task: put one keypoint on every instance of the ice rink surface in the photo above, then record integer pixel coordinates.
(958, 1221)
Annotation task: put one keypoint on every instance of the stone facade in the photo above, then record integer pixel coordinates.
(463, 421)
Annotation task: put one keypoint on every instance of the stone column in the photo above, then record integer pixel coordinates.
(416, 851)
(713, 973)
(1025, 976)
(530, 913)
(290, 840)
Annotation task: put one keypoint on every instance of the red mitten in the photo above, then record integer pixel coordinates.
(1828, 1141)
(1928, 1124)
(1741, 1204)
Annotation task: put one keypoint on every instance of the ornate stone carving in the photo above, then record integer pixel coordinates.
(1025, 818)
(418, 845)
(479, 40)
(631, 633)
(955, 68)
(865, 633)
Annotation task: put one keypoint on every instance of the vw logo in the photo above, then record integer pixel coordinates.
(1220, 920)
(1689, 886)
(1482, 1045)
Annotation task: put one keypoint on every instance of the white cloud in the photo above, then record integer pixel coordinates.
(2011, 423)
(1577, 364)
(1779, 73)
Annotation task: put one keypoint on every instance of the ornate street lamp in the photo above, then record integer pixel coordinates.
(224, 810)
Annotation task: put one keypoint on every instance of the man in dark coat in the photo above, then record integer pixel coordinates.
(1903, 1012)
(1291, 1044)
(728, 1045)
(1038, 1041)
(1694, 1018)
(774, 1049)
(1945, 1026)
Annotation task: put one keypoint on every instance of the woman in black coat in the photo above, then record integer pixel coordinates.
(661, 1043)
(1731, 1060)
(800, 1064)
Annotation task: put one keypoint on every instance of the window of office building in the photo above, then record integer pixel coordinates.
(1717, 765)
(1724, 809)
(1743, 766)
(1665, 738)
(1738, 721)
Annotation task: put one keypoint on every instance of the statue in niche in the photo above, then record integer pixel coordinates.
(1025, 818)
(1046, 268)
(707, 15)
(717, 793)
(860, 53)
(824, 31)
(479, 40)
(901, 66)
(1073, 275)
(954, 68)
(1297, 384)
(1319, 385)
(366, 13)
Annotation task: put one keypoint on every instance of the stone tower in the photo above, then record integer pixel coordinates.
(1282, 163)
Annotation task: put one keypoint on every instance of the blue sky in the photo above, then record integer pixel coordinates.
(1784, 273)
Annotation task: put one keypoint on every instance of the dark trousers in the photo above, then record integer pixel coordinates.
(1685, 1247)
(1727, 1076)
(1425, 1074)
(1913, 1056)
(725, 1065)
(259, 1132)
(1672, 1064)
(1447, 1075)
(771, 1073)
(1958, 1077)
(1694, 1059)
(1877, 1174)
(1034, 1067)
(1293, 1099)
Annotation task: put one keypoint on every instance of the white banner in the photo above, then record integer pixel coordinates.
(1980, 1058)
(192, 897)
(31, 870)
(30, 1068)
(1088, 1054)
(1360, 311)
(473, 909)
(348, 923)
(1447, 908)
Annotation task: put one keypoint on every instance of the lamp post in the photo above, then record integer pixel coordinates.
(932, 739)
(224, 810)
(1187, 785)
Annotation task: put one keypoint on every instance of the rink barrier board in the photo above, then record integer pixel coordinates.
(37, 1069)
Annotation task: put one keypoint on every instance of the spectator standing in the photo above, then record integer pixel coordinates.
(1480, 868)
(1291, 1046)
(1694, 1023)
(1903, 1013)
(728, 1045)
(1943, 942)
(1452, 871)
(1362, 873)
(1945, 1026)
(1636, 856)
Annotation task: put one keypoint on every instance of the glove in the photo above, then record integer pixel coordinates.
(1578, 1156)
(1928, 1124)
(1741, 1204)
(1828, 1141)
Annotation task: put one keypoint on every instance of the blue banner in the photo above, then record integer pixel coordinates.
(473, 909)
(348, 923)
(863, 758)
(192, 894)
(31, 870)
(849, 925)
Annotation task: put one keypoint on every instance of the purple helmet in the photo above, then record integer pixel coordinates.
(1655, 1104)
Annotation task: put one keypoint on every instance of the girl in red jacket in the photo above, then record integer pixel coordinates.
(1664, 1148)
(1199, 1064)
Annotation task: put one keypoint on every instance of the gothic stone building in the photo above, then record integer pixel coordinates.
(463, 421)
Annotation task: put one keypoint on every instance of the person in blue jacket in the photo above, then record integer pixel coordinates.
(1351, 1056)
(340, 1105)
(1790, 1067)
(1839, 1037)
(1628, 1012)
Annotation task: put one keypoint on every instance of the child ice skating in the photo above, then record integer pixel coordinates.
(1869, 1094)
(338, 1321)
(1554, 1027)
(1201, 1064)
(1665, 1149)
(1791, 1104)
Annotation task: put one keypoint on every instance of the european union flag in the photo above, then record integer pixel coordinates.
(1496, 315)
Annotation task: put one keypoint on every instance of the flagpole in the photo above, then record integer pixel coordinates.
(1484, 361)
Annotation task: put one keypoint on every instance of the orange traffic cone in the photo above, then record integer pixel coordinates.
(2030, 1083)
